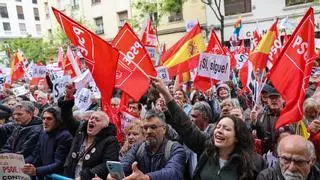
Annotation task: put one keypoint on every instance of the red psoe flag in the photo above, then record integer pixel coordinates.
(214, 45)
(259, 56)
(100, 57)
(149, 35)
(134, 64)
(291, 71)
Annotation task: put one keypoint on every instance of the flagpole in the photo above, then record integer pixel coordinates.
(135, 64)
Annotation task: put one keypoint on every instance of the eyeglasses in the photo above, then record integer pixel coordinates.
(288, 161)
(152, 127)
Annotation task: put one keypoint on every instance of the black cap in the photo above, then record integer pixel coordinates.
(273, 92)
(5, 111)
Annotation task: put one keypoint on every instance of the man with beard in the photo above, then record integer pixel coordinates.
(157, 157)
(297, 158)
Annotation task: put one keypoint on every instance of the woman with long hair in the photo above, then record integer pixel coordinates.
(227, 154)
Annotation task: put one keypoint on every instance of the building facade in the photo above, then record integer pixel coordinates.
(104, 17)
(260, 14)
(19, 18)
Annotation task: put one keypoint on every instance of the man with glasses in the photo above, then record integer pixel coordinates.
(157, 157)
(296, 161)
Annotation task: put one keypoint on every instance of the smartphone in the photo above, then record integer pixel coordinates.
(115, 169)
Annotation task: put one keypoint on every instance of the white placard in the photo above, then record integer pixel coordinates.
(162, 73)
(11, 166)
(39, 71)
(241, 59)
(83, 99)
(59, 87)
(152, 51)
(95, 90)
(317, 43)
(54, 75)
(190, 24)
(126, 118)
(19, 91)
(214, 66)
(82, 80)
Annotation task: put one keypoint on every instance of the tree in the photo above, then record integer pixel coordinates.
(154, 9)
(215, 6)
(33, 49)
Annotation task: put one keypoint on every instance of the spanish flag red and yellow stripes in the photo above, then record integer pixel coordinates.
(184, 55)
(259, 56)
(17, 67)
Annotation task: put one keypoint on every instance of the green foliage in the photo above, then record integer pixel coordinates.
(34, 49)
(153, 9)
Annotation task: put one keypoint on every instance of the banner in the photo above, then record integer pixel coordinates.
(162, 73)
(214, 66)
(19, 91)
(82, 80)
(126, 118)
(152, 51)
(39, 71)
(59, 87)
(54, 75)
(83, 99)
(241, 59)
(11, 166)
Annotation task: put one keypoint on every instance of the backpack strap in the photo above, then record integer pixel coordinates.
(140, 151)
(167, 150)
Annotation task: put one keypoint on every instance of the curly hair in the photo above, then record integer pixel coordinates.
(244, 147)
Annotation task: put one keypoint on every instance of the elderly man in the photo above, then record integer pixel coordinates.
(297, 158)
(157, 157)
(94, 143)
(26, 132)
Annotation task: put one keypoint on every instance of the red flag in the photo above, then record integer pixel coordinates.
(17, 67)
(134, 63)
(255, 40)
(71, 64)
(214, 45)
(149, 36)
(100, 57)
(291, 71)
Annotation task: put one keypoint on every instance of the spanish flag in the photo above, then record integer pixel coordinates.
(259, 56)
(184, 55)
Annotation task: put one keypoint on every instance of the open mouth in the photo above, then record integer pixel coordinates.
(91, 126)
(219, 138)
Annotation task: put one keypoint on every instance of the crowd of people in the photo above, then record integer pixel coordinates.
(218, 134)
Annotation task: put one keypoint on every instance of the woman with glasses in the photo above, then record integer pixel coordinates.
(228, 154)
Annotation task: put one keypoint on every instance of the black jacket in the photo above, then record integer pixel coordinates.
(105, 147)
(275, 174)
(5, 132)
(69, 122)
(200, 143)
(24, 139)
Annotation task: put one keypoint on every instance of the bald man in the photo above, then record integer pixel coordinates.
(296, 161)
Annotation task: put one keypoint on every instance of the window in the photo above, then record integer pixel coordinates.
(6, 26)
(95, 1)
(4, 11)
(22, 27)
(123, 16)
(175, 16)
(34, 1)
(18, 0)
(232, 7)
(38, 28)
(99, 25)
(296, 2)
(46, 10)
(75, 4)
(20, 12)
(36, 14)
